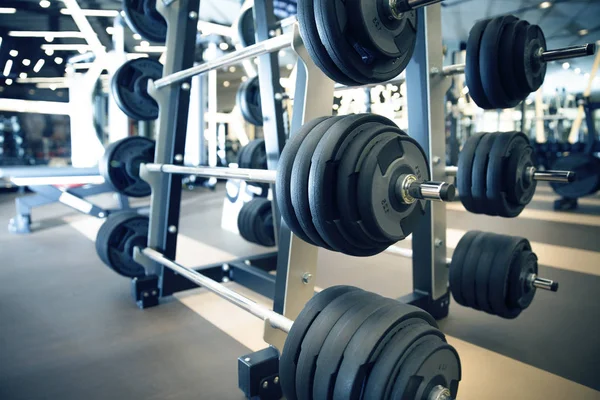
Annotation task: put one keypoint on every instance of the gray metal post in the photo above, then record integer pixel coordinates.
(426, 93)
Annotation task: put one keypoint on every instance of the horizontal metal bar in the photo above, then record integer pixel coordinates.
(407, 253)
(276, 320)
(541, 176)
(255, 175)
(585, 50)
(258, 49)
(58, 180)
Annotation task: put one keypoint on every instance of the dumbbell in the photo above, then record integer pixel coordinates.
(349, 344)
(255, 222)
(353, 184)
(495, 273)
(497, 175)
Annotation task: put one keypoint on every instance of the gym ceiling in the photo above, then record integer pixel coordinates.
(565, 23)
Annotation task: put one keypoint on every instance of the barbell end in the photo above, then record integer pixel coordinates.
(433, 191)
(591, 49)
(545, 284)
(588, 49)
(555, 176)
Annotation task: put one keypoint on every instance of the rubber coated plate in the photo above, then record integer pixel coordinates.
(332, 352)
(120, 165)
(347, 182)
(472, 68)
(284, 178)
(316, 335)
(421, 370)
(469, 271)
(368, 342)
(361, 63)
(314, 45)
(498, 283)
(519, 58)
(520, 291)
(520, 187)
(116, 240)
(382, 212)
(465, 170)
(457, 265)
(263, 230)
(241, 222)
(246, 30)
(255, 157)
(587, 178)
(322, 194)
(479, 175)
(249, 101)
(504, 145)
(300, 181)
(129, 88)
(488, 251)
(507, 55)
(382, 376)
(489, 63)
(143, 18)
(533, 67)
(291, 349)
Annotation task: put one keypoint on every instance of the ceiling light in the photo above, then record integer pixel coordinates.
(58, 60)
(545, 4)
(13, 53)
(244, 78)
(583, 32)
(7, 10)
(226, 84)
(92, 13)
(144, 43)
(44, 4)
(110, 30)
(578, 71)
(26, 62)
(223, 46)
(49, 52)
(38, 65)
(232, 69)
(23, 75)
(566, 65)
(8, 67)
(289, 67)
(49, 39)
(137, 36)
(9, 81)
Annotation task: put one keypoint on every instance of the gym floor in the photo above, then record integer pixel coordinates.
(69, 329)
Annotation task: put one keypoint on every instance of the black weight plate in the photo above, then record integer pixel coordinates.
(587, 172)
(533, 67)
(381, 378)
(251, 218)
(520, 291)
(519, 72)
(300, 181)
(358, 62)
(241, 222)
(322, 193)
(506, 66)
(498, 283)
(332, 351)
(129, 87)
(120, 165)
(457, 265)
(465, 170)
(284, 178)
(314, 45)
(249, 101)
(421, 370)
(246, 156)
(240, 156)
(479, 175)
(472, 67)
(368, 342)
(245, 220)
(347, 182)
(383, 214)
(519, 187)
(498, 201)
(258, 155)
(316, 335)
(263, 230)
(246, 31)
(484, 267)
(143, 18)
(116, 240)
(291, 349)
(489, 63)
(469, 271)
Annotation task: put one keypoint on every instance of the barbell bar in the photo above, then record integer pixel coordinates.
(407, 188)
(533, 174)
